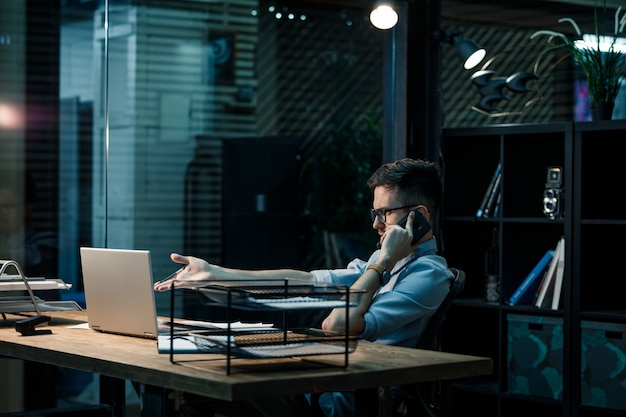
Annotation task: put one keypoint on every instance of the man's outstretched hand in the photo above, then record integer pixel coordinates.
(194, 273)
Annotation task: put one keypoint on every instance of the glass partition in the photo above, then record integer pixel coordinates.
(200, 127)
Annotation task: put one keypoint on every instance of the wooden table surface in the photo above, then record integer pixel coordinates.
(136, 359)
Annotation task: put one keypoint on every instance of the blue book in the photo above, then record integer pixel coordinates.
(525, 293)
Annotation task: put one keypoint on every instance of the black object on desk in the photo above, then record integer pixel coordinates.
(27, 326)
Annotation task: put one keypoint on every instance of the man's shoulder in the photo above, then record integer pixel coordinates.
(430, 262)
(434, 259)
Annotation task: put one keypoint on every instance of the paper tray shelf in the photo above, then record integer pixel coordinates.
(279, 341)
(271, 343)
(17, 282)
(24, 304)
(256, 296)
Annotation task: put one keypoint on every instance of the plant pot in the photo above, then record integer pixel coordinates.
(601, 110)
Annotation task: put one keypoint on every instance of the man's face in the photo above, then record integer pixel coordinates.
(387, 204)
(11, 212)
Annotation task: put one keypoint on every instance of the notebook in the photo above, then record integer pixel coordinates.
(119, 293)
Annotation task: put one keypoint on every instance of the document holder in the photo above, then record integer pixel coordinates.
(278, 341)
(29, 303)
(27, 327)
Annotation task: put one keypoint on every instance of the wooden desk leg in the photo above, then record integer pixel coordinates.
(113, 393)
(384, 402)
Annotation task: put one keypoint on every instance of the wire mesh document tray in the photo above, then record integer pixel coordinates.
(25, 304)
(17, 281)
(264, 295)
(280, 340)
(268, 343)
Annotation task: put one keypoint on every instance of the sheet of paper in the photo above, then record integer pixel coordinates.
(219, 325)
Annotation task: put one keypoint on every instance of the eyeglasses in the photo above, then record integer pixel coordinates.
(382, 213)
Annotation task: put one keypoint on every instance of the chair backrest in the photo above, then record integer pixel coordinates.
(430, 337)
(413, 396)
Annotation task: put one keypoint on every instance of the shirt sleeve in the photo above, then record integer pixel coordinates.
(347, 276)
(400, 316)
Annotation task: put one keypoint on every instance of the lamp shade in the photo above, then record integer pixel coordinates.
(468, 51)
(384, 15)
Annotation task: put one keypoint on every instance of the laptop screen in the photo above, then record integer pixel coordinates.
(118, 291)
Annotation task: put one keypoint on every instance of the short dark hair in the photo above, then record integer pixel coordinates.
(417, 181)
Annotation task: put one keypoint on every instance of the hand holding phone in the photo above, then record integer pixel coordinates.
(420, 226)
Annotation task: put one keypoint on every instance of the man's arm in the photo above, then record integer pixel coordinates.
(336, 320)
(396, 245)
(196, 272)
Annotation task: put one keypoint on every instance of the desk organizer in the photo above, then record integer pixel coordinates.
(263, 341)
(18, 282)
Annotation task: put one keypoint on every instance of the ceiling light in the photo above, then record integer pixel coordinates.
(384, 15)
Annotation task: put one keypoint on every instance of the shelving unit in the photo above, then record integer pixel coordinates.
(569, 361)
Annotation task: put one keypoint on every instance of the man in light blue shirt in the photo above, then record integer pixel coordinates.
(403, 282)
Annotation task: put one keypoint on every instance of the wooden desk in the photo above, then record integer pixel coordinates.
(136, 359)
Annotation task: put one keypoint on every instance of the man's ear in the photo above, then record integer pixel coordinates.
(424, 211)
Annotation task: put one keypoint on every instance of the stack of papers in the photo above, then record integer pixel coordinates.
(299, 302)
(187, 342)
(254, 340)
(217, 344)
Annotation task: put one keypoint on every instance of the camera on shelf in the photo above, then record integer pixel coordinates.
(553, 194)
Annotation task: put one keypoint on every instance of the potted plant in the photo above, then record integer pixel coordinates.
(600, 59)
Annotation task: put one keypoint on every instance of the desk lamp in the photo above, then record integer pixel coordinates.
(467, 50)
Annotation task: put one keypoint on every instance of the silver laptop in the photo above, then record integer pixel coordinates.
(119, 291)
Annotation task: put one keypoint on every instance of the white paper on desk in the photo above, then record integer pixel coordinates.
(80, 326)
(188, 343)
(191, 344)
(237, 325)
(217, 344)
(294, 349)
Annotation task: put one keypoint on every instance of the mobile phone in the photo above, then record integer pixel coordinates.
(420, 226)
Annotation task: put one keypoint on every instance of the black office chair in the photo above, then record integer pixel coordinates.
(422, 399)
(427, 396)
(416, 400)
(431, 337)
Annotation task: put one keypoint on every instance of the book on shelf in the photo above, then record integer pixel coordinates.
(558, 278)
(546, 288)
(492, 189)
(498, 206)
(525, 293)
(490, 208)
